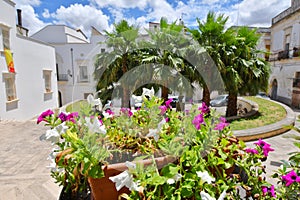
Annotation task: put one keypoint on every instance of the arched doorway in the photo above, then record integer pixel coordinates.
(274, 89)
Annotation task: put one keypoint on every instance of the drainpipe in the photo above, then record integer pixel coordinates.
(72, 63)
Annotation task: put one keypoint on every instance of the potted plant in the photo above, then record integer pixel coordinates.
(154, 152)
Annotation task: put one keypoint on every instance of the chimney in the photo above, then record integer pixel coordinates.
(19, 12)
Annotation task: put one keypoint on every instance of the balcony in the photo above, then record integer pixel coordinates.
(283, 54)
(62, 77)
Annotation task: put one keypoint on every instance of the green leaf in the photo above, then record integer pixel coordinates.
(156, 180)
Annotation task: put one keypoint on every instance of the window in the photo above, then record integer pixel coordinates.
(83, 73)
(47, 78)
(10, 87)
(5, 38)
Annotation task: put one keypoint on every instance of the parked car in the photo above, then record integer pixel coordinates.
(138, 101)
(263, 95)
(220, 100)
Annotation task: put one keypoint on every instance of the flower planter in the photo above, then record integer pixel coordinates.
(104, 188)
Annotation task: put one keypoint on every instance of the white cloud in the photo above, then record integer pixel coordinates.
(260, 13)
(46, 13)
(30, 19)
(141, 4)
(27, 2)
(83, 17)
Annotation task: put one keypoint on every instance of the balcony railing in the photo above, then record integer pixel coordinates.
(62, 77)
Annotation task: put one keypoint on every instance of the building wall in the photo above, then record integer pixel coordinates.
(31, 58)
(285, 63)
(71, 54)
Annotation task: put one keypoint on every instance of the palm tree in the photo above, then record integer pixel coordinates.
(252, 71)
(166, 48)
(110, 66)
(211, 35)
(234, 52)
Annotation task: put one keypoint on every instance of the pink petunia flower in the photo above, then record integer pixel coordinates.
(43, 116)
(220, 126)
(71, 117)
(198, 120)
(269, 190)
(290, 178)
(163, 109)
(126, 111)
(110, 112)
(265, 147)
(62, 116)
(252, 151)
(204, 108)
(168, 103)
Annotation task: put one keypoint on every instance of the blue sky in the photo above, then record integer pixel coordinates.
(103, 13)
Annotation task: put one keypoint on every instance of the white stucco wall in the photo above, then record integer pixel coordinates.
(30, 59)
(277, 41)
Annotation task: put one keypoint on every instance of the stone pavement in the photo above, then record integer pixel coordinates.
(23, 172)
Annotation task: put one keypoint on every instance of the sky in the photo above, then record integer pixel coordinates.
(102, 14)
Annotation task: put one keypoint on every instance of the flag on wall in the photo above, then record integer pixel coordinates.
(9, 60)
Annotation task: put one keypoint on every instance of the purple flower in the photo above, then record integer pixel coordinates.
(198, 120)
(252, 151)
(169, 102)
(265, 147)
(290, 178)
(62, 116)
(44, 115)
(204, 109)
(269, 190)
(167, 119)
(163, 109)
(220, 126)
(71, 117)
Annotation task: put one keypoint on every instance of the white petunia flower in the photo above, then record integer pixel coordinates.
(206, 196)
(52, 135)
(94, 102)
(62, 128)
(153, 133)
(107, 114)
(174, 179)
(95, 126)
(126, 179)
(205, 177)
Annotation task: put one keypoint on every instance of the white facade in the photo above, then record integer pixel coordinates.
(285, 57)
(74, 60)
(32, 62)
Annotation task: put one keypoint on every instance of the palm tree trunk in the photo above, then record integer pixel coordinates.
(232, 105)
(164, 93)
(125, 96)
(206, 95)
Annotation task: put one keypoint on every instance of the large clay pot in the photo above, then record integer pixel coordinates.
(104, 189)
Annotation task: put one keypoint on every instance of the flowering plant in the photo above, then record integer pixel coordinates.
(208, 161)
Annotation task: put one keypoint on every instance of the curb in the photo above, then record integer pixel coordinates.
(269, 130)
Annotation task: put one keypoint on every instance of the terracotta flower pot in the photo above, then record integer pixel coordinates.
(104, 188)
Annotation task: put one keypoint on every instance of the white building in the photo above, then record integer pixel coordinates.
(285, 60)
(33, 87)
(74, 59)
